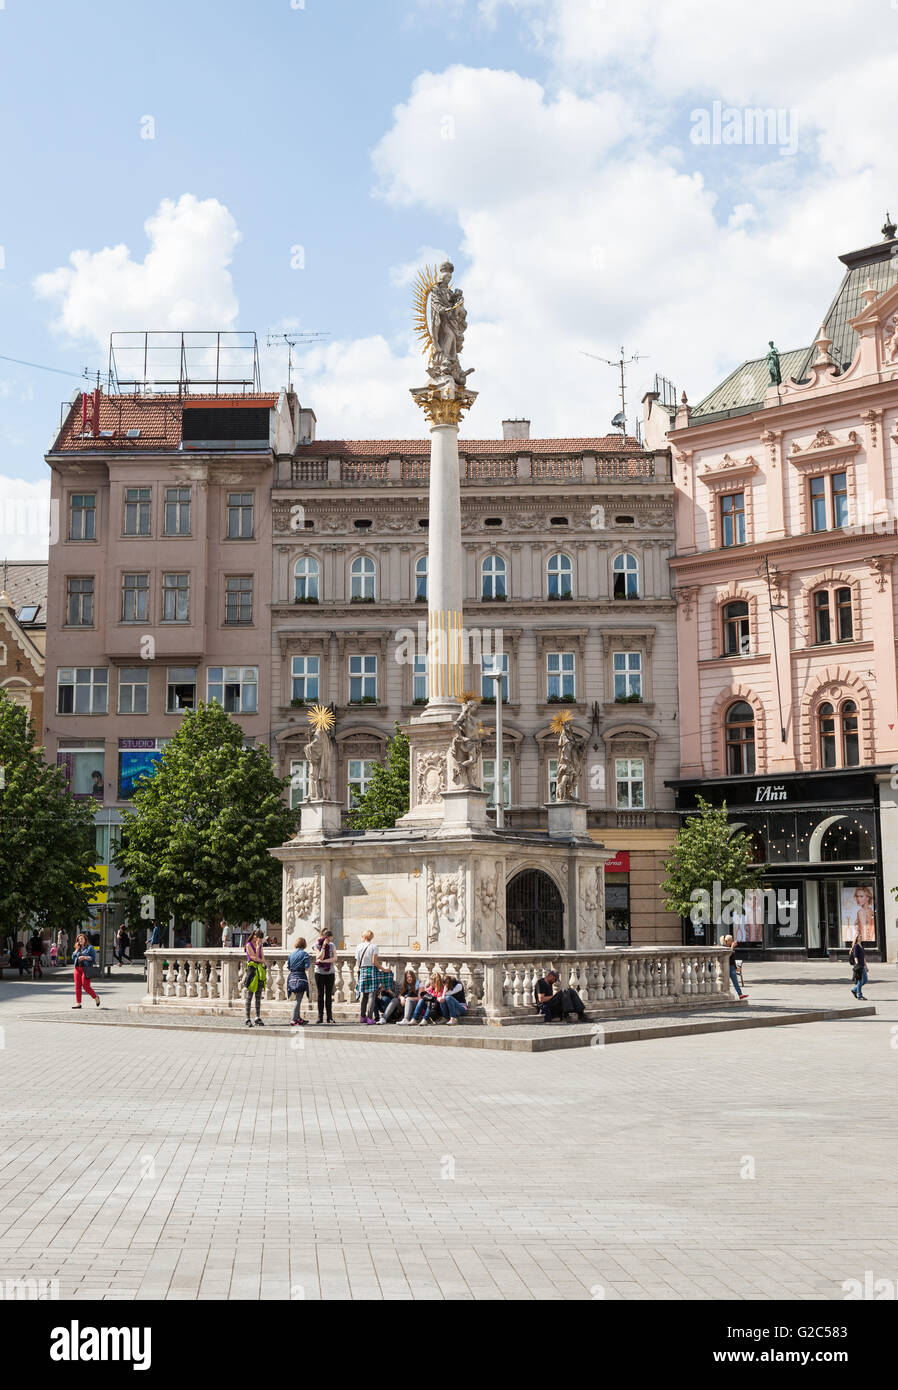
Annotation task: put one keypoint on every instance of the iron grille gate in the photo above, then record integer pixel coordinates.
(534, 913)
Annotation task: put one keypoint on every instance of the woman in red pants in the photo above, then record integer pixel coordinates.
(83, 956)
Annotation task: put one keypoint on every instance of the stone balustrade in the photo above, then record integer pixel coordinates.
(499, 985)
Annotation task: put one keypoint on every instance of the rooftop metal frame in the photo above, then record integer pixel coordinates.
(205, 363)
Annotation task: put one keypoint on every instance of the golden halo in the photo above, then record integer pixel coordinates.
(467, 695)
(424, 283)
(563, 717)
(320, 717)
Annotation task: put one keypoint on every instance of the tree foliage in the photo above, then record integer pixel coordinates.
(387, 796)
(707, 851)
(196, 840)
(47, 838)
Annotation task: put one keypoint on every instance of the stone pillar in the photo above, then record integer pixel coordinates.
(445, 651)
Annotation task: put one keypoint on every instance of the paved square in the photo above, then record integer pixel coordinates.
(148, 1163)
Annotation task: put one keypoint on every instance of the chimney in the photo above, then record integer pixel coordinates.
(515, 429)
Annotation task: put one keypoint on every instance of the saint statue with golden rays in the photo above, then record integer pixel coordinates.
(319, 752)
(440, 322)
(467, 738)
(571, 756)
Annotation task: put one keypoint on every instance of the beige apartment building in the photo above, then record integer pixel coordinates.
(567, 596)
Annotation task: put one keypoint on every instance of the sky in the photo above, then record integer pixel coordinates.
(286, 165)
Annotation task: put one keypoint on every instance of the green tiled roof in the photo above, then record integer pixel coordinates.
(743, 390)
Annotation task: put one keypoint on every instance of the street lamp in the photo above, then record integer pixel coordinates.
(499, 778)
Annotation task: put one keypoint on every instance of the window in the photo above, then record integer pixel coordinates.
(739, 730)
(363, 680)
(299, 782)
(828, 501)
(358, 775)
(490, 666)
(627, 672)
(732, 518)
(492, 577)
(304, 671)
(235, 688)
(175, 598)
(133, 690)
(137, 758)
(552, 767)
(79, 603)
(362, 579)
(838, 735)
(83, 516)
(305, 579)
(419, 681)
(84, 770)
(421, 579)
(239, 599)
(559, 576)
(626, 576)
(561, 675)
(736, 629)
(135, 598)
(629, 774)
(835, 602)
(240, 516)
(489, 781)
(181, 689)
(82, 690)
(177, 511)
(137, 511)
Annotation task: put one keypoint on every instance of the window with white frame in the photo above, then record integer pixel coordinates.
(133, 690)
(238, 600)
(561, 675)
(84, 770)
(627, 671)
(489, 781)
(306, 574)
(359, 772)
(560, 576)
(82, 690)
(180, 689)
(83, 516)
(629, 774)
(80, 602)
(235, 688)
(240, 516)
(419, 680)
(493, 572)
(304, 676)
(363, 579)
(137, 511)
(362, 680)
(421, 579)
(135, 598)
(625, 569)
(299, 782)
(177, 511)
(175, 598)
(491, 666)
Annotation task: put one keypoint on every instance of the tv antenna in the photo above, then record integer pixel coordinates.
(621, 363)
(292, 340)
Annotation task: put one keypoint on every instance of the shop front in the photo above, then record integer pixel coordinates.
(816, 838)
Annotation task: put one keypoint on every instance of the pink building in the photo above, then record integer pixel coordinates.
(786, 495)
(159, 580)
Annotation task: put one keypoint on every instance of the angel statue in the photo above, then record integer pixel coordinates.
(571, 756)
(440, 322)
(319, 752)
(464, 750)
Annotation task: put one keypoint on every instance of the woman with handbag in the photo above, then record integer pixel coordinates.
(858, 960)
(256, 976)
(298, 979)
(325, 975)
(85, 960)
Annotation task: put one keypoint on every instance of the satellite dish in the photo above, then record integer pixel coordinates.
(619, 420)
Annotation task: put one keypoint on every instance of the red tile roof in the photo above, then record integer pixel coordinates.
(503, 448)
(157, 417)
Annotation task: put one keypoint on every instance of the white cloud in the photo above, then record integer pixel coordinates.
(360, 389)
(24, 519)
(184, 281)
(404, 274)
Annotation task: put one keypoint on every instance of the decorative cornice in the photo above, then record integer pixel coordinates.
(824, 447)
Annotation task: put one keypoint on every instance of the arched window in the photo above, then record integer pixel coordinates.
(421, 579)
(833, 620)
(560, 576)
(492, 577)
(736, 629)
(305, 579)
(739, 732)
(626, 576)
(838, 734)
(362, 585)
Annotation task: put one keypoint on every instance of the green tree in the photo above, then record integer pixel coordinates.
(709, 868)
(47, 838)
(196, 840)
(387, 797)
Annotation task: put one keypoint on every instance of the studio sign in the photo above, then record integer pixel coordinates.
(771, 793)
